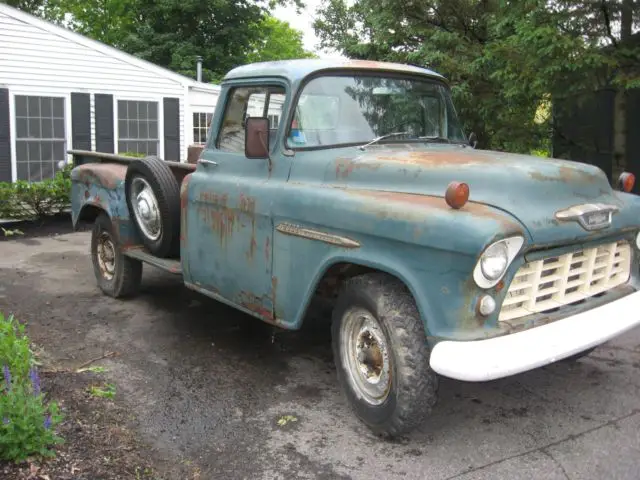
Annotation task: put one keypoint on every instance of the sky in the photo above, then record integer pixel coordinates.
(304, 23)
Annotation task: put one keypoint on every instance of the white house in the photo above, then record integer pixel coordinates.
(60, 90)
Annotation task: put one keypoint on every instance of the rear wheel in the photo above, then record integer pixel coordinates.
(117, 275)
(153, 199)
(381, 355)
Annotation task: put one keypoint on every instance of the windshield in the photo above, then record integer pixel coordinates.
(339, 110)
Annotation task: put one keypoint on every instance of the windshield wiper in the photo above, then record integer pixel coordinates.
(382, 137)
(435, 139)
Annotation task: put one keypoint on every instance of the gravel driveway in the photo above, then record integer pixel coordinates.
(206, 388)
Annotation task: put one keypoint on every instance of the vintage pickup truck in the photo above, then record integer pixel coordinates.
(438, 258)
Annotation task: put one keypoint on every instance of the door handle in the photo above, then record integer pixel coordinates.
(208, 162)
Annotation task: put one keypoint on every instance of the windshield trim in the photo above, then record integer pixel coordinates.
(350, 72)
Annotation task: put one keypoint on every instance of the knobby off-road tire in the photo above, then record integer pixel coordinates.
(383, 309)
(117, 275)
(153, 199)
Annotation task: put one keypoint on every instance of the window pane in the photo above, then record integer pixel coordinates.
(133, 111)
(133, 129)
(34, 150)
(122, 109)
(153, 111)
(123, 131)
(23, 170)
(47, 151)
(47, 128)
(34, 128)
(21, 106)
(58, 128)
(34, 106)
(143, 129)
(35, 174)
(58, 107)
(58, 151)
(22, 130)
(153, 129)
(153, 148)
(47, 170)
(21, 151)
(45, 103)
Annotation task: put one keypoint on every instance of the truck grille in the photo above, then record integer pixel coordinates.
(556, 281)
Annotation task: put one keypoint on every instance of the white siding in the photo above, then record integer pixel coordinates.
(37, 61)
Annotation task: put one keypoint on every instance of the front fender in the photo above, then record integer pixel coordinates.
(418, 239)
(101, 186)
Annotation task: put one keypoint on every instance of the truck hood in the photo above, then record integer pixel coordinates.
(532, 189)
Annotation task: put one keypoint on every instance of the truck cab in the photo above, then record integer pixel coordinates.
(353, 181)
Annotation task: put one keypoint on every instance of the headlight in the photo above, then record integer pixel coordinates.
(495, 260)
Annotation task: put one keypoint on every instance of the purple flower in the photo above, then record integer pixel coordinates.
(7, 376)
(47, 422)
(5, 420)
(35, 381)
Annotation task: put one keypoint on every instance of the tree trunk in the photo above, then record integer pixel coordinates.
(620, 104)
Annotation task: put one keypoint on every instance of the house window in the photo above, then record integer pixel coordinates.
(138, 127)
(40, 136)
(274, 120)
(201, 122)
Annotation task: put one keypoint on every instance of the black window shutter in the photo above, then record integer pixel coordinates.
(80, 121)
(5, 137)
(172, 129)
(104, 123)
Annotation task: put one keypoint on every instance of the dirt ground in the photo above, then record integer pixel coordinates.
(200, 389)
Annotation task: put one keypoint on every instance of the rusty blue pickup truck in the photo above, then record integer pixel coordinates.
(352, 181)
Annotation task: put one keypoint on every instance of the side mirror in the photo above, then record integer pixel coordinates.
(473, 140)
(256, 137)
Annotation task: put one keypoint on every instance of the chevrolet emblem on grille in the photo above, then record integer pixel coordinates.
(590, 216)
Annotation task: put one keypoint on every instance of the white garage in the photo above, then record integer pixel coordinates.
(60, 90)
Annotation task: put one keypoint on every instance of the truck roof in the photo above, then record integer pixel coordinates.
(296, 70)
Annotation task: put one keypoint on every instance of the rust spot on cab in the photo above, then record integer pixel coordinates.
(567, 174)
(267, 249)
(107, 175)
(344, 166)
(386, 208)
(247, 205)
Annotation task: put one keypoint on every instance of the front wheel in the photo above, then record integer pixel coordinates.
(381, 355)
(117, 275)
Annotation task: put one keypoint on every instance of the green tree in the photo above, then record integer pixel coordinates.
(503, 58)
(277, 41)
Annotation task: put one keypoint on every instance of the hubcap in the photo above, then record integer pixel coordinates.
(106, 256)
(365, 354)
(145, 208)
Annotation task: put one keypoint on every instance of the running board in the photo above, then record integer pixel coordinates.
(167, 264)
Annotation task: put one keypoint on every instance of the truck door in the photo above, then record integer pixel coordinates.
(229, 222)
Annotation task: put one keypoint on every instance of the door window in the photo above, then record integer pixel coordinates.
(245, 102)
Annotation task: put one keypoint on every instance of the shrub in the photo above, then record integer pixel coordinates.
(27, 200)
(134, 154)
(27, 421)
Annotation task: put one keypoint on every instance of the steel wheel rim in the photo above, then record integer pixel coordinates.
(106, 253)
(145, 208)
(365, 354)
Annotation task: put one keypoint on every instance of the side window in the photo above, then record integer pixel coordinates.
(247, 102)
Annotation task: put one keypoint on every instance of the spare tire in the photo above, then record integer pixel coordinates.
(153, 199)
